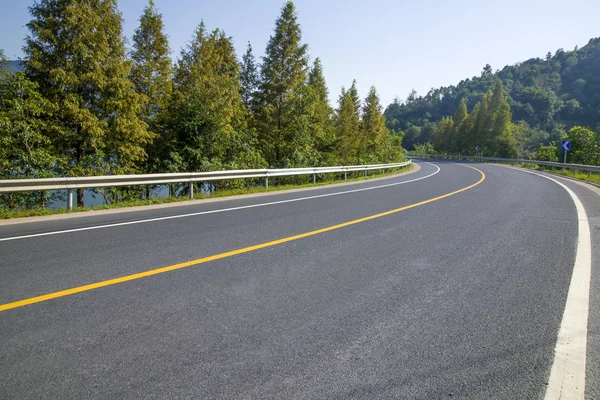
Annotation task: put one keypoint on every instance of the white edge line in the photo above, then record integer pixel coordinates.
(567, 376)
(89, 228)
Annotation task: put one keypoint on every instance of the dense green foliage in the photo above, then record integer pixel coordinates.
(86, 106)
(76, 54)
(151, 74)
(546, 97)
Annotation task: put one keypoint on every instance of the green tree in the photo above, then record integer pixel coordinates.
(411, 137)
(151, 65)
(25, 148)
(500, 140)
(548, 153)
(585, 146)
(347, 128)
(353, 92)
(374, 131)
(480, 133)
(460, 130)
(249, 78)
(461, 112)
(321, 124)
(283, 74)
(207, 115)
(151, 73)
(76, 55)
(444, 136)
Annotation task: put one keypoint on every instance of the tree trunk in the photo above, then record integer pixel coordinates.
(80, 198)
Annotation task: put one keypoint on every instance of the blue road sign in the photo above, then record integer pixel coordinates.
(566, 145)
(477, 148)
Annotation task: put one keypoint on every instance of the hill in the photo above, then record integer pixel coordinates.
(547, 97)
(15, 66)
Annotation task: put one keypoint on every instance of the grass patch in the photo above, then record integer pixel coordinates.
(581, 175)
(5, 213)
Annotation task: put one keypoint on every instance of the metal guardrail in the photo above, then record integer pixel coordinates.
(88, 182)
(579, 167)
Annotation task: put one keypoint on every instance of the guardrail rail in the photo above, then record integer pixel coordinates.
(88, 182)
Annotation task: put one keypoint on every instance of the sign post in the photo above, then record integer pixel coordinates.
(566, 146)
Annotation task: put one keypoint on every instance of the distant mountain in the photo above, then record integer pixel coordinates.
(15, 66)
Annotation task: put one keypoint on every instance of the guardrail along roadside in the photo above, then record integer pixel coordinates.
(89, 182)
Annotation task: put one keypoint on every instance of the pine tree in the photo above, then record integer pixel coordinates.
(151, 74)
(321, 125)
(461, 112)
(501, 139)
(460, 129)
(443, 139)
(207, 114)
(347, 128)
(76, 55)
(353, 92)
(316, 80)
(480, 134)
(151, 70)
(248, 77)
(283, 74)
(373, 127)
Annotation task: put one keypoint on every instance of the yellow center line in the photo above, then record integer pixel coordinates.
(126, 278)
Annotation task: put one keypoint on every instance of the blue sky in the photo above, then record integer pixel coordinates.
(395, 45)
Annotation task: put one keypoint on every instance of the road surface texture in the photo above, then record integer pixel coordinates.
(458, 293)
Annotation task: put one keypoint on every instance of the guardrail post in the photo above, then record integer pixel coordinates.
(267, 182)
(365, 172)
(69, 199)
(345, 175)
(314, 178)
(191, 186)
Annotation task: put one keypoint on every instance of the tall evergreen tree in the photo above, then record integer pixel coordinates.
(283, 74)
(151, 74)
(501, 140)
(316, 80)
(76, 55)
(480, 132)
(207, 115)
(151, 70)
(321, 124)
(461, 112)
(444, 136)
(347, 128)
(373, 127)
(460, 129)
(353, 92)
(249, 78)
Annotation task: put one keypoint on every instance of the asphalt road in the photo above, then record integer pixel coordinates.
(457, 297)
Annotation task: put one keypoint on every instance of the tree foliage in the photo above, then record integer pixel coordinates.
(249, 78)
(151, 75)
(279, 98)
(76, 55)
(487, 131)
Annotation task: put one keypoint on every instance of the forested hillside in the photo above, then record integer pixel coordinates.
(88, 105)
(547, 97)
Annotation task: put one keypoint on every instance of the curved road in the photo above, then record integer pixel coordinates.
(448, 282)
